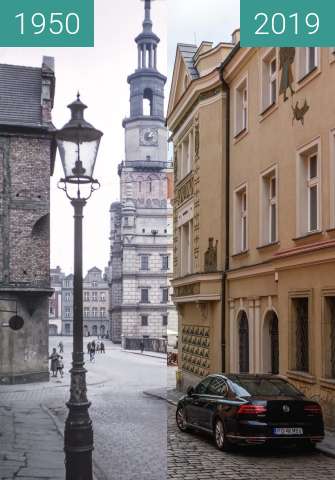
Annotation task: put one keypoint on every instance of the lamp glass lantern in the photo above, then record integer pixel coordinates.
(78, 144)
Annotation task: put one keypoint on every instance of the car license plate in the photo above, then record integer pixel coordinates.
(288, 431)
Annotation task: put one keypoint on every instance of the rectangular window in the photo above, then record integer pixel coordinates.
(67, 296)
(269, 208)
(269, 84)
(186, 248)
(300, 334)
(94, 296)
(94, 312)
(309, 191)
(144, 262)
(241, 107)
(67, 312)
(164, 320)
(144, 320)
(102, 312)
(144, 295)
(102, 297)
(241, 220)
(86, 312)
(185, 156)
(86, 296)
(165, 262)
(308, 60)
(165, 295)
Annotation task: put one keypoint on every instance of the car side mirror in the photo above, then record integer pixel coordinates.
(190, 391)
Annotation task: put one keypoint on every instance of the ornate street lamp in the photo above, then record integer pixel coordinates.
(78, 143)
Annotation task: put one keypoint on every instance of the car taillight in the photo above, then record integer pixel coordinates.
(251, 410)
(312, 409)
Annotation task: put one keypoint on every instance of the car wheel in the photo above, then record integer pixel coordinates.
(181, 419)
(221, 441)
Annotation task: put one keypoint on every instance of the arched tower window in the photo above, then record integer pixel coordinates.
(147, 102)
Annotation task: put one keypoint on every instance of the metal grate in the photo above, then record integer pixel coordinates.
(244, 343)
(302, 360)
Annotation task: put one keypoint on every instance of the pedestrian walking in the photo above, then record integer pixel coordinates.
(98, 347)
(88, 347)
(54, 361)
(61, 347)
(60, 366)
(142, 346)
(92, 352)
(102, 347)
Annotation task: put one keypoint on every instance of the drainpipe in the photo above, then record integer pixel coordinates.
(226, 124)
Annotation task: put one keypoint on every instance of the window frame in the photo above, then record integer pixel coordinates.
(268, 78)
(241, 121)
(241, 216)
(141, 295)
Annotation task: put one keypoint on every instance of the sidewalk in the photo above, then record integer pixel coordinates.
(172, 396)
(147, 354)
(30, 445)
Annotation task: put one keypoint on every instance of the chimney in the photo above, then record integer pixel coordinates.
(236, 35)
(48, 88)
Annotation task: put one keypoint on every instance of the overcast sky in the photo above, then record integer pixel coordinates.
(100, 74)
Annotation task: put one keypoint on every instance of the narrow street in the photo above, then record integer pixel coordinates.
(133, 432)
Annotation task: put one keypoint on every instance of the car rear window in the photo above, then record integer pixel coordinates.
(247, 387)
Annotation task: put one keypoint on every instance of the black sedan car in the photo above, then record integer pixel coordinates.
(248, 409)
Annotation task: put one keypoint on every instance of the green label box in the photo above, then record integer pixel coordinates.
(47, 23)
(287, 23)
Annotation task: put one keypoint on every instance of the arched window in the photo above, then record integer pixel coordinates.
(147, 102)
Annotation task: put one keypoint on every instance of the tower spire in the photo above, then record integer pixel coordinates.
(147, 24)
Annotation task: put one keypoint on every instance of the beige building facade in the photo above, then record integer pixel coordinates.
(254, 265)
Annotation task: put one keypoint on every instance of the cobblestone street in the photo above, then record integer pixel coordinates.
(194, 457)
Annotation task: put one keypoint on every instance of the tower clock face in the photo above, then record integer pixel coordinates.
(149, 137)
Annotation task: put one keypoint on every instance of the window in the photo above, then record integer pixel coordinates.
(241, 107)
(102, 297)
(165, 295)
(164, 320)
(241, 220)
(102, 312)
(67, 296)
(269, 85)
(308, 196)
(165, 262)
(186, 248)
(217, 387)
(144, 295)
(67, 312)
(94, 312)
(67, 329)
(144, 320)
(147, 102)
(201, 388)
(269, 208)
(300, 334)
(308, 60)
(86, 312)
(86, 296)
(144, 262)
(95, 330)
(185, 156)
(94, 296)
(94, 284)
(329, 337)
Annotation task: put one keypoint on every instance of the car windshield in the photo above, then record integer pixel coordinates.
(247, 387)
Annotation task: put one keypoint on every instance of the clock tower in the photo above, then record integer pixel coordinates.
(141, 223)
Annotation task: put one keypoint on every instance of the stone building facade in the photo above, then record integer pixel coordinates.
(141, 223)
(27, 154)
(95, 304)
(55, 301)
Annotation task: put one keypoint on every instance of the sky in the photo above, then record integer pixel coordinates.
(100, 74)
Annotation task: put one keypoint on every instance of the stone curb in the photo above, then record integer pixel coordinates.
(98, 473)
(323, 449)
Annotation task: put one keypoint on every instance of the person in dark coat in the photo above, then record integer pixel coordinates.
(54, 361)
(142, 346)
(88, 347)
(92, 352)
(102, 347)
(60, 366)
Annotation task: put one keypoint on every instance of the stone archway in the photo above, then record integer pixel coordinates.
(243, 343)
(271, 343)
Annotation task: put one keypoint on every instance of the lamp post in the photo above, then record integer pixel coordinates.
(78, 144)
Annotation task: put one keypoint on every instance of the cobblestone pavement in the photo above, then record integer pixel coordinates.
(130, 429)
(194, 457)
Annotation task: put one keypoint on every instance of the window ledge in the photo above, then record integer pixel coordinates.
(241, 134)
(303, 78)
(268, 110)
(331, 230)
(268, 245)
(328, 383)
(301, 376)
(308, 235)
(240, 254)
(184, 178)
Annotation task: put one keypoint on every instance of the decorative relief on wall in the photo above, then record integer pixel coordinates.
(299, 113)
(187, 290)
(196, 189)
(211, 256)
(196, 350)
(184, 192)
